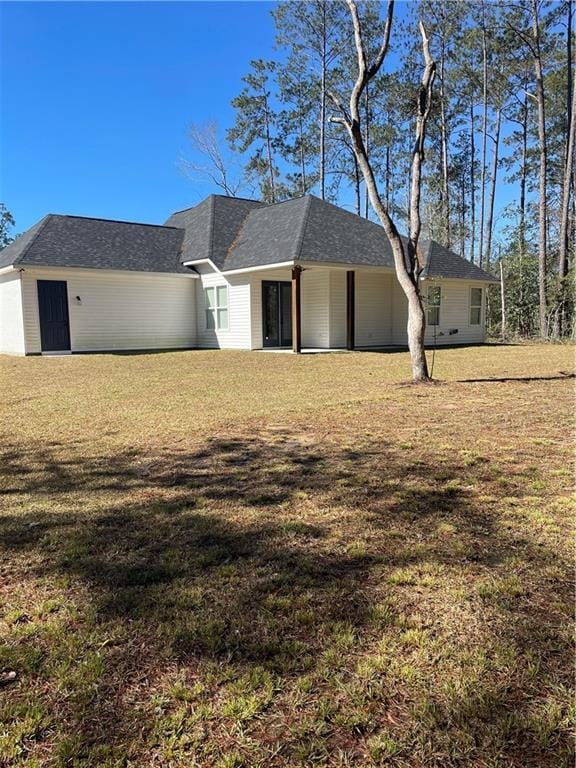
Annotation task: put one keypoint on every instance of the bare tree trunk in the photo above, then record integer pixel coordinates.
(444, 150)
(323, 65)
(567, 188)
(357, 186)
(367, 145)
(564, 233)
(387, 187)
(407, 262)
(462, 216)
(472, 182)
(303, 181)
(269, 154)
(569, 74)
(484, 134)
(523, 175)
(503, 330)
(568, 157)
(542, 209)
(490, 219)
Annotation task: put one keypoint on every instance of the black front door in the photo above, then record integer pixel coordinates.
(276, 313)
(53, 309)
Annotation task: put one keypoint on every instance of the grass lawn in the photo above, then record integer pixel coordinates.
(225, 559)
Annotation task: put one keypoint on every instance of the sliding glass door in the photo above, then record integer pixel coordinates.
(276, 313)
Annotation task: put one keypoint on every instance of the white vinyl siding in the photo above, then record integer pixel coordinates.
(116, 310)
(337, 308)
(315, 288)
(454, 316)
(373, 309)
(113, 310)
(454, 325)
(399, 314)
(12, 339)
(237, 289)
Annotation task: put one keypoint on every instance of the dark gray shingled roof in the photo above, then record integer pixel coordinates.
(270, 235)
(196, 223)
(309, 229)
(212, 227)
(12, 253)
(234, 233)
(441, 262)
(75, 241)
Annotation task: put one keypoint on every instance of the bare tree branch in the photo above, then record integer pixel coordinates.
(365, 72)
(220, 170)
(345, 119)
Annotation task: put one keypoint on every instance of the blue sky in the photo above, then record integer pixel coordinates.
(96, 99)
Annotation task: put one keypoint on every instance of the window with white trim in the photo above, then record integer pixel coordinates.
(216, 303)
(475, 306)
(433, 300)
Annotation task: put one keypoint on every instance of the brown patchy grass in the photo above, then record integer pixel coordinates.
(225, 559)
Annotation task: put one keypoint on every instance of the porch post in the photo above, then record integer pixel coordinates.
(296, 311)
(350, 308)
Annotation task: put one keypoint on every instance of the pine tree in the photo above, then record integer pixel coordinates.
(315, 33)
(254, 130)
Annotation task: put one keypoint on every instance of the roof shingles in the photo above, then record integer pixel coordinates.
(212, 227)
(308, 229)
(270, 235)
(233, 233)
(73, 241)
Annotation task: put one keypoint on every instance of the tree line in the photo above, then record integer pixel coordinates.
(497, 182)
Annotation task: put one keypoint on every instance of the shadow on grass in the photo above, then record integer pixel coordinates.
(263, 552)
(523, 379)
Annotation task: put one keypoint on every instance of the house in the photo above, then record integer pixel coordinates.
(227, 273)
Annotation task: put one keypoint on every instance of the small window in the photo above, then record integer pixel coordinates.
(433, 299)
(475, 306)
(216, 300)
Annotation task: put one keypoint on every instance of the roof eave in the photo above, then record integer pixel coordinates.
(32, 266)
(195, 262)
(259, 267)
(469, 279)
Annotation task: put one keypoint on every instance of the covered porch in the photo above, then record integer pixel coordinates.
(310, 308)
